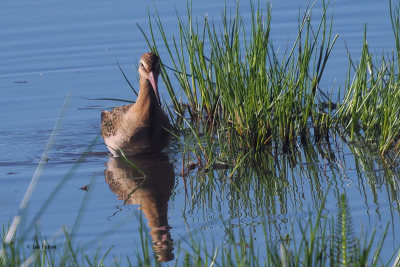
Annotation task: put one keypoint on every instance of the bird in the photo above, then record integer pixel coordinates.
(152, 193)
(141, 127)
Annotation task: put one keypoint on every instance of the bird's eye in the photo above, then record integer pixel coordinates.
(141, 64)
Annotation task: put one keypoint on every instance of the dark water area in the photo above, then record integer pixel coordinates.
(51, 51)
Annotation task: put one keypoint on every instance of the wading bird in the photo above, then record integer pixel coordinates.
(142, 127)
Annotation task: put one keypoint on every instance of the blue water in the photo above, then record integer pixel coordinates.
(52, 50)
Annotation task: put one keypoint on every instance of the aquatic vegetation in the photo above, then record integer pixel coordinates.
(243, 104)
(236, 86)
(255, 130)
(18, 248)
(319, 244)
(314, 241)
(371, 105)
(242, 86)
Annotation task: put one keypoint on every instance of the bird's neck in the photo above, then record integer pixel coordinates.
(147, 98)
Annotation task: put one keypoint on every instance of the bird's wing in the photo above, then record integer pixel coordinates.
(111, 121)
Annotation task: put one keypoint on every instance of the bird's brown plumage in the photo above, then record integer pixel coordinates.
(142, 127)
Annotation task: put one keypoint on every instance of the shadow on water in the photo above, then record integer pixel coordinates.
(151, 193)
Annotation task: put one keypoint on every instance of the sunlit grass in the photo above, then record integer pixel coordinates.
(240, 85)
(371, 104)
(243, 104)
(236, 86)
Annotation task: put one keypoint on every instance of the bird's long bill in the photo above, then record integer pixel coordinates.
(154, 83)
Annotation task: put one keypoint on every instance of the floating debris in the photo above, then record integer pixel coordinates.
(84, 188)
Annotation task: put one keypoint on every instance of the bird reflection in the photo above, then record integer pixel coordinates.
(151, 193)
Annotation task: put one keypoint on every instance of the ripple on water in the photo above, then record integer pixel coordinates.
(53, 49)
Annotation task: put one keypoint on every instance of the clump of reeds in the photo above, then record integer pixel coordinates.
(371, 105)
(235, 84)
(232, 77)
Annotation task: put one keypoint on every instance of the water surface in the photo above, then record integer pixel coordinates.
(50, 50)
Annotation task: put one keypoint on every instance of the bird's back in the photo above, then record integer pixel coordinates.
(134, 131)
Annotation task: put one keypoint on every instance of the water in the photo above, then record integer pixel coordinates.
(50, 50)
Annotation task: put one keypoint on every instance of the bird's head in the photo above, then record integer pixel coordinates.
(149, 68)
